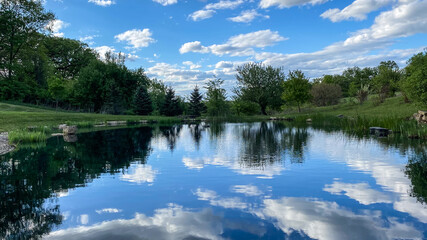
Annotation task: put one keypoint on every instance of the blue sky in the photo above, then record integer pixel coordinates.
(185, 43)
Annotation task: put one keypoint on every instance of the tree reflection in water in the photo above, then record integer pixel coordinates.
(416, 169)
(30, 176)
(267, 143)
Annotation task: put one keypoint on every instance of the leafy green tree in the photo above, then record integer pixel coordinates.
(386, 82)
(171, 105)
(57, 88)
(296, 89)
(415, 80)
(157, 91)
(20, 22)
(216, 102)
(325, 94)
(142, 101)
(196, 106)
(68, 56)
(260, 84)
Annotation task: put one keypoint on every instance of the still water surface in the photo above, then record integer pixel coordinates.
(226, 181)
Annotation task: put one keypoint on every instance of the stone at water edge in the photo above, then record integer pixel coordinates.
(309, 120)
(62, 126)
(421, 116)
(70, 130)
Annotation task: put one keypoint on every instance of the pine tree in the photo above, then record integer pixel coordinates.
(142, 101)
(196, 105)
(170, 106)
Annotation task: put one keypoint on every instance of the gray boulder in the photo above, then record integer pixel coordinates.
(69, 130)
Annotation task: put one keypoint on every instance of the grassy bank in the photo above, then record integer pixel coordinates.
(16, 117)
(393, 114)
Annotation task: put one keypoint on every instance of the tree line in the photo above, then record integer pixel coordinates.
(38, 68)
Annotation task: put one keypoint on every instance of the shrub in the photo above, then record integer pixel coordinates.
(325, 94)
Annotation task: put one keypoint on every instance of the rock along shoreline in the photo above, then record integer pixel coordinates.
(5, 147)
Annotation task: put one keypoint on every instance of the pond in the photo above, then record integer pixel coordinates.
(220, 181)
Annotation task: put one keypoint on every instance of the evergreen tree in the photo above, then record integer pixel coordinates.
(216, 99)
(170, 106)
(196, 105)
(142, 101)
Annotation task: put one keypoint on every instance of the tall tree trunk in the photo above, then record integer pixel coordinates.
(263, 110)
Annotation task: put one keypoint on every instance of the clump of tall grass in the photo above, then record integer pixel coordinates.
(82, 124)
(25, 136)
(360, 125)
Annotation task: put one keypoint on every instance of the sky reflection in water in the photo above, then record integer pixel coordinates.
(227, 181)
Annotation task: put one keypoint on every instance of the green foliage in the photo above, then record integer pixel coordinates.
(386, 82)
(216, 98)
(20, 22)
(363, 93)
(260, 84)
(171, 105)
(415, 80)
(296, 89)
(142, 101)
(157, 91)
(325, 94)
(25, 136)
(417, 173)
(240, 107)
(196, 106)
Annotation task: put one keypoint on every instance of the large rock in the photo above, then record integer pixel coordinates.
(69, 130)
(421, 116)
(5, 147)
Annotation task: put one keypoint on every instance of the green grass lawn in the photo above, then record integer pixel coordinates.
(13, 117)
(392, 107)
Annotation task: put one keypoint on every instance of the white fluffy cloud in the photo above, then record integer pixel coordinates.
(247, 16)
(360, 192)
(405, 19)
(239, 45)
(248, 190)
(201, 15)
(357, 10)
(136, 38)
(140, 174)
(103, 3)
(327, 220)
(224, 4)
(55, 26)
(288, 3)
(108, 210)
(215, 200)
(166, 2)
(102, 50)
(173, 222)
(209, 10)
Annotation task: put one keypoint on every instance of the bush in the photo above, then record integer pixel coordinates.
(415, 81)
(325, 94)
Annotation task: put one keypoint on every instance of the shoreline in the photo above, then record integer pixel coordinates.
(5, 147)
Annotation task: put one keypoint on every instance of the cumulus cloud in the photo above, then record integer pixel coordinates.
(327, 220)
(55, 26)
(224, 4)
(139, 174)
(201, 15)
(288, 3)
(173, 222)
(108, 210)
(102, 50)
(360, 192)
(209, 10)
(405, 19)
(357, 10)
(136, 38)
(103, 3)
(248, 190)
(192, 65)
(247, 16)
(215, 200)
(166, 2)
(239, 45)
(88, 39)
